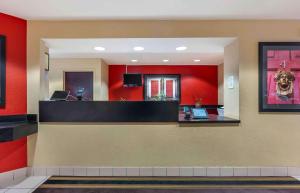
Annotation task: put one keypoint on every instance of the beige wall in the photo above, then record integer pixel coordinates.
(44, 74)
(262, 139)
(221, 84)
(231, 87)
(59, 66)
(104, 81)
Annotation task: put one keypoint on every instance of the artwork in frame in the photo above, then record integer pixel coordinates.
(2, 69)
(161, 87)
(279, 76)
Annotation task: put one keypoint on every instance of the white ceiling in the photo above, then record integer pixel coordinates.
(120, 50)
(151, 9)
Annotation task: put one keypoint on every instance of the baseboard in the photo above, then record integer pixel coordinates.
(12, 177)
(15, 176)
(163, 171)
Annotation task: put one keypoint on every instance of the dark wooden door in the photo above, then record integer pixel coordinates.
(77, 82)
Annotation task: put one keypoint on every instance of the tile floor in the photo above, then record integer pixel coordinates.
(31, 183)
(26, 186)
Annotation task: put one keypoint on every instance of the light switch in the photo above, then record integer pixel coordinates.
(230, 82)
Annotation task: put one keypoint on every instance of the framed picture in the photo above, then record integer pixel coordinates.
(2, 69)
(279, 76)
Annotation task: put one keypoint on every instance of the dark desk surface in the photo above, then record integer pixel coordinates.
(211, 119)
(14, 127)
(119, 111)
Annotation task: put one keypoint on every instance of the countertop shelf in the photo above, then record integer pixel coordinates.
(211, 119)
(13, 127)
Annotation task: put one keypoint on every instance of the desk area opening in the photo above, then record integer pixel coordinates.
(158, 84)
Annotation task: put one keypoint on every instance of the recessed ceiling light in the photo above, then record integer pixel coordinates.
(134, 60)
(181, 48)
(99, 48)
(197, 60)
(165, 60)
(138, 48)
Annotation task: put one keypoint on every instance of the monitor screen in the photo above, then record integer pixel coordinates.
(59, 95)
(220, 112)
(131, 80)
(199, 113)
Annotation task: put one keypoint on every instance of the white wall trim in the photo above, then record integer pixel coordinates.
(163, 171)
(12, 177)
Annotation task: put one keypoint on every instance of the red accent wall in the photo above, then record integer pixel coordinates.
(196, 81)
(13, 155)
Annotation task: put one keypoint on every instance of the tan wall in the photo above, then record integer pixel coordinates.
(221, 84)
(44, 74)
(104, 81)
(231, 88)
(59, 66)
(261, 139)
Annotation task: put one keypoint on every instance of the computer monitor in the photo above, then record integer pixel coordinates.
(60, 95)
(186, 109)
(199, 113)
(221, 111)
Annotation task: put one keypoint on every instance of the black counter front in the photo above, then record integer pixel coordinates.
(13, 127)
(108, 111)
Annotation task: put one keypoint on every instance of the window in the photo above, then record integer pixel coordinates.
(161, 87)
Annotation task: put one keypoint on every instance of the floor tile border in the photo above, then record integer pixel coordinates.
(163, 171)
(13, 177)
(16, 176)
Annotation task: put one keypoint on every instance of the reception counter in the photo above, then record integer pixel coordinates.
(108, 111)
(119, 111)
(212, 118)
